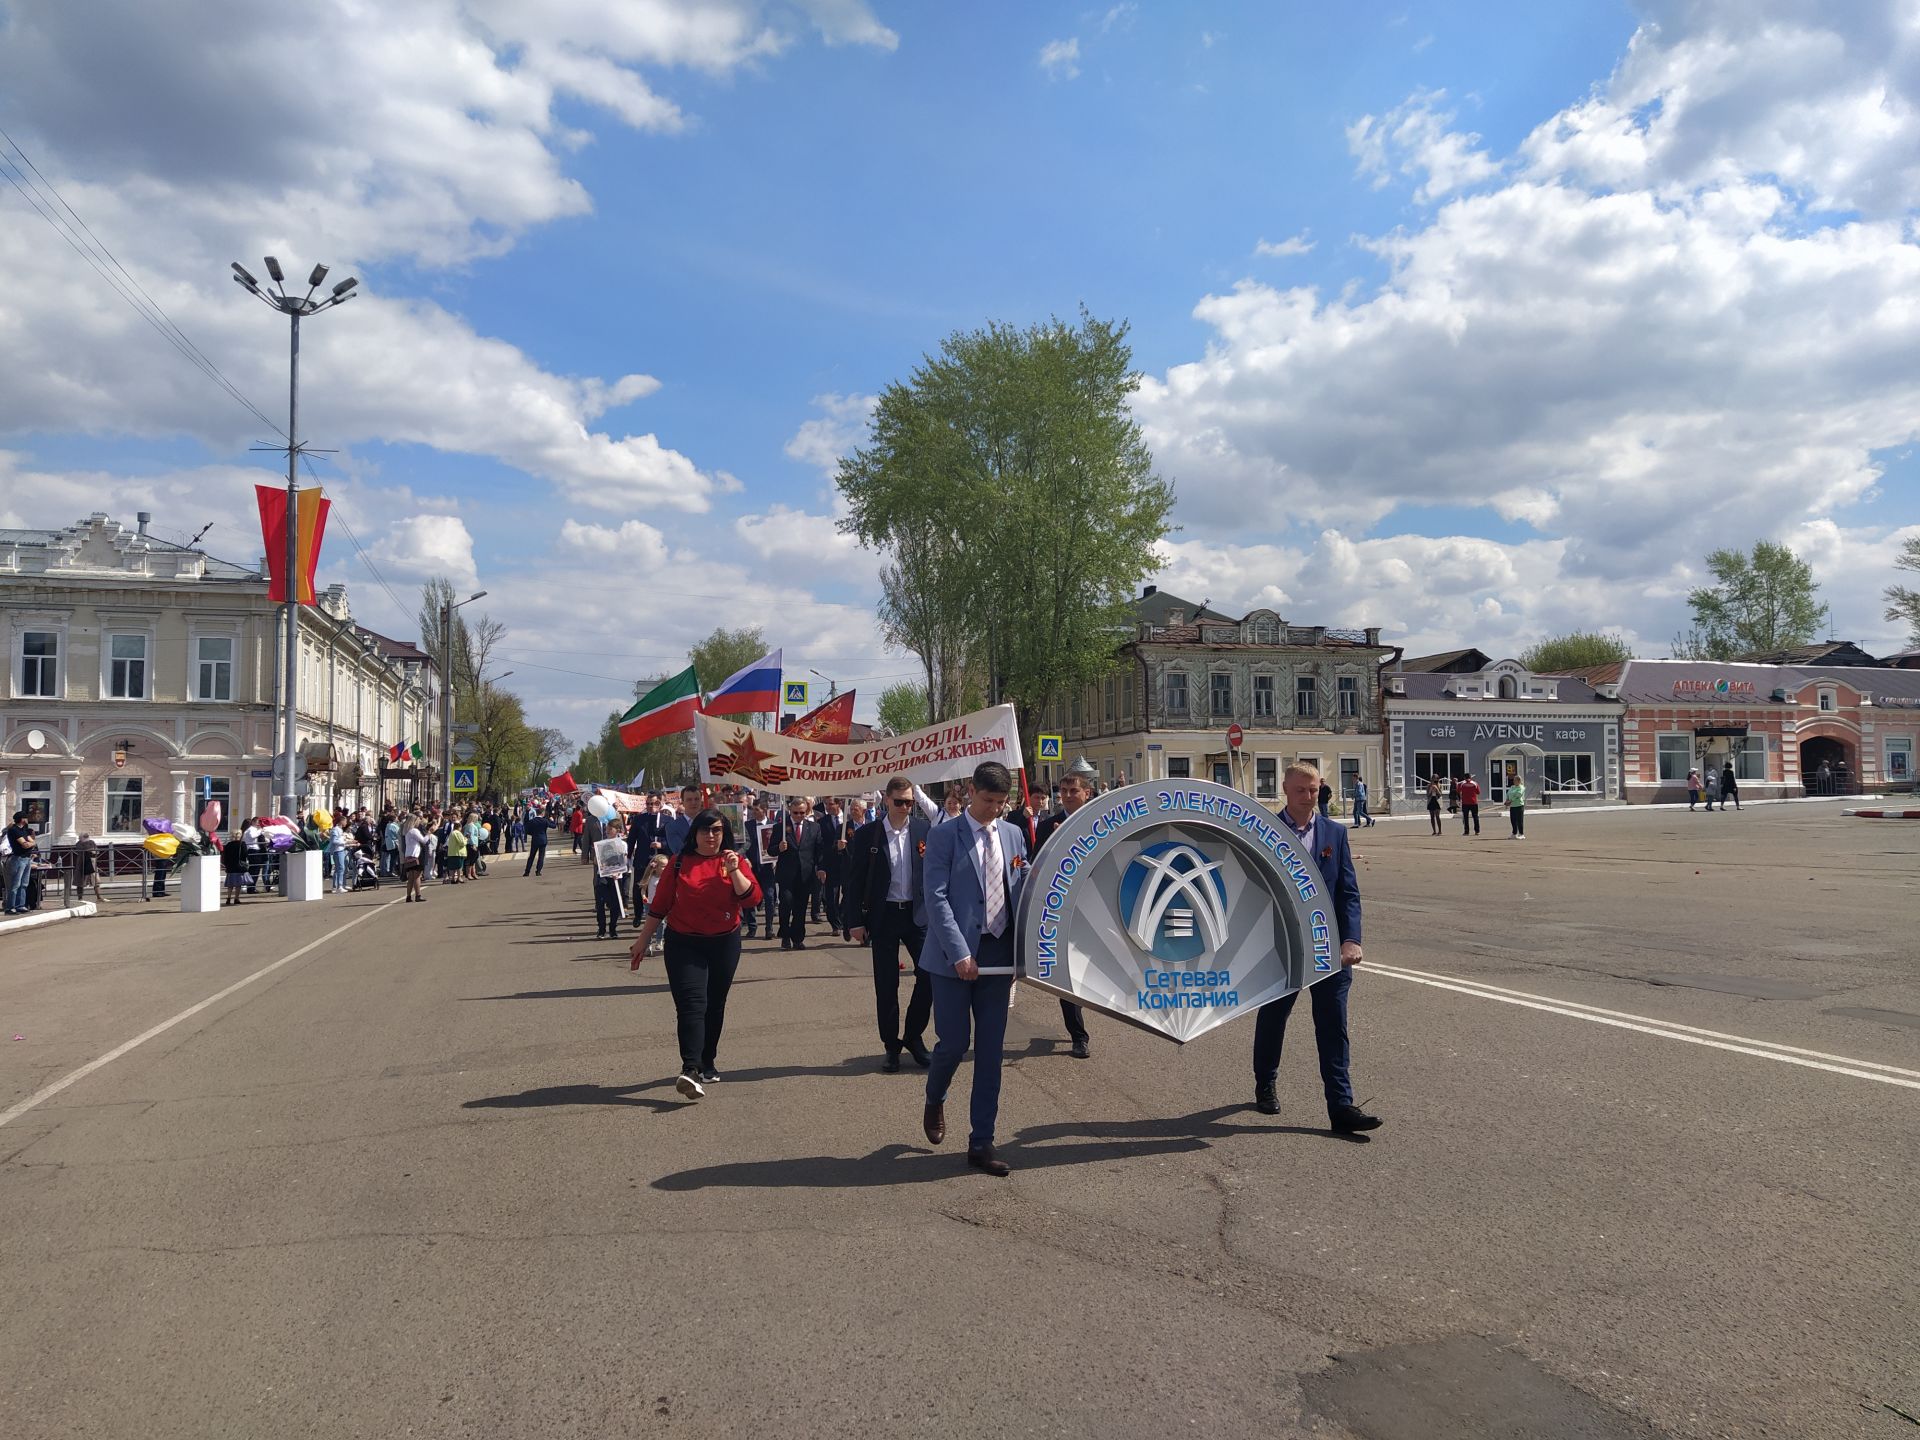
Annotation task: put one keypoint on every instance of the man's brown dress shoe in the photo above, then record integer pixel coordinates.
(983, 1158)
(934, 1122)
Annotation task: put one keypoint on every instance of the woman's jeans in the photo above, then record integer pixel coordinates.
(340, 861)
(700, 971)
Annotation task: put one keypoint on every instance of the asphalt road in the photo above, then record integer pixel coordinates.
(430, 1177)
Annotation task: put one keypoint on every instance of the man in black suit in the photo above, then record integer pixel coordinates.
(833, 857)
(796, 868)
(884, 863)
(1076, 789)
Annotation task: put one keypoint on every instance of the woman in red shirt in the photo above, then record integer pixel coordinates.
(699, 899)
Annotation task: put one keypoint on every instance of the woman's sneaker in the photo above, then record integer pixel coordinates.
(689, 1086)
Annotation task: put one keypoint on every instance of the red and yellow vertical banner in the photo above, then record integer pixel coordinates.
(311, 525)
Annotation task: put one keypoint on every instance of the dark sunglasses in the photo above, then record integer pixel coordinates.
(902, 802)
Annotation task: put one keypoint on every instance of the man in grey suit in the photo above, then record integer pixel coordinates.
(970, 887)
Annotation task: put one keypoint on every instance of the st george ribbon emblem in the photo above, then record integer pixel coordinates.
(1176, 906)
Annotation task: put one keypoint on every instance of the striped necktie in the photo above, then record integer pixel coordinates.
(996, 882)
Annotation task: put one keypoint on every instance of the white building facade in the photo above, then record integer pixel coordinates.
(143, 679)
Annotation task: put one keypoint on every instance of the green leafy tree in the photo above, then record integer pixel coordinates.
(722, 653)
(1011, 457)
(1575, 651)
(1903, 601)
(903, 707)
(1762, 601)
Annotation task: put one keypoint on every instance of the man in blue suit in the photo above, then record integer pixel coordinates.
(1326, 841)
(970, 885)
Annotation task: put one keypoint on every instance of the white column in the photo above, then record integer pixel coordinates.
(180, 797)
(70, 805)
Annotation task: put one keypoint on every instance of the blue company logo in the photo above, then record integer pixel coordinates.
(1174, 901)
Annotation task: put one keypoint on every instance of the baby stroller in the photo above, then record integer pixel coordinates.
(366, 871)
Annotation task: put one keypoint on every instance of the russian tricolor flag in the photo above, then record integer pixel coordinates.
(752, 691)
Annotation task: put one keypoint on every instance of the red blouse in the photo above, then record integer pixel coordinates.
(695, 898)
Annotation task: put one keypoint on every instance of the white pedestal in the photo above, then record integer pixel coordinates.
(199, 884)
(303, 874)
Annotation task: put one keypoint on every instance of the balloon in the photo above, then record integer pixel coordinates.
(323, 819)
(161, 846)
(599, 807)
(154, 825)
(485, 829)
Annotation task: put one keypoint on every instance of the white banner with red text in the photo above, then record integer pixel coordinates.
(733, 754)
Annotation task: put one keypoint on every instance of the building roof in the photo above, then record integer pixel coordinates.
(1824, 652)
(1155, 605)
(1454, 662)
(73, 538)
(391, 649)
(1432, 685)
(1330, 639)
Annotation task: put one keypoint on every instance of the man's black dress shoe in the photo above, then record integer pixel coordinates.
(1351, 1120)
(984, 1159)
(918, 1049)
(1265, 1100)
(934, 1122)
(892, 1063)
(1082, 1048)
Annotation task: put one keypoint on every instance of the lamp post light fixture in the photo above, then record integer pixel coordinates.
(446, 693)
(833, 689)
(295, 307)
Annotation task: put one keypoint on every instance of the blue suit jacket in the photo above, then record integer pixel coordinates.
(1335, 858)
(955, 903)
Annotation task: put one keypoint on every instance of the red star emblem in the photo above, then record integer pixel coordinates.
(744, 758)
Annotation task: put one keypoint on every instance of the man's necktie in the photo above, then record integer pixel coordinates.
(996, 883)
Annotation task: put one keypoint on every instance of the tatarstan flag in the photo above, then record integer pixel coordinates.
(666, 709)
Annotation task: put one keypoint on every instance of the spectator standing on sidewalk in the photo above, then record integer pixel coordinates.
(1517, 808)
(1469, 792)
(1729, 788)
(1433, 805)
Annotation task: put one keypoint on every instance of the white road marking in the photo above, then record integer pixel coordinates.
(1665, 1029)
(39, 1097)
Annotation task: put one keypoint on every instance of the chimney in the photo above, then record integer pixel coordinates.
(1373, 635)
(145, 517)
(1150, 590)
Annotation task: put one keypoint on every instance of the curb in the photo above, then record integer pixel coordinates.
(1883, 814)
(47, 917)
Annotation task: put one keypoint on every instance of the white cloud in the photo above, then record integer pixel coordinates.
(1119, 16)
(821, 441)
(1280, 249)
(635, 543)
(1639, 358)
(1061, 58)
(814, 542)
(419, 547)
(1417, 138)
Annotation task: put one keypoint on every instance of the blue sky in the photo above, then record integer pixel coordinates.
(1476, 323)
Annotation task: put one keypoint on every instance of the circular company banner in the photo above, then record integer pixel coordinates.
(1178, 906)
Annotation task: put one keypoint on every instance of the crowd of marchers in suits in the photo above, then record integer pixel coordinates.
(939, 880)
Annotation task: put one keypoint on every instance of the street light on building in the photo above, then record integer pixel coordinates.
(446, 692)
(295, 307)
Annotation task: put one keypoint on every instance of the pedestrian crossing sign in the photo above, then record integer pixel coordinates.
(793, 692)
(466, 779)
(1050, 747)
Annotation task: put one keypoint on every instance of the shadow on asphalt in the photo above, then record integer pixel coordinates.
(593, 992)
(1034, 1148)
(547, 1096)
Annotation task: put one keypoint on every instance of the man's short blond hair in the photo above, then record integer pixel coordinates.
(1301, 767)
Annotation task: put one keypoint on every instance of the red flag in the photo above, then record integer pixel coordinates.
(312, 525)
(831, 723)
(562, 784)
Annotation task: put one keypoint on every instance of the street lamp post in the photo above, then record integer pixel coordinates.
(446, 694)
(294, 307)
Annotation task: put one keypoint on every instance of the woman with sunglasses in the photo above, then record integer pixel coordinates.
(699, 900)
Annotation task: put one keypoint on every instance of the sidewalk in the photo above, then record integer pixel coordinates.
(1537, 811)
(34, 919)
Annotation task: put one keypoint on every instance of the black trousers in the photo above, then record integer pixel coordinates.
(606, 903)
(536, 857)
(769, 908)
(1469, 819)
(1517, 819)
(796, 893)
(700, 973)
(888, 928)
(1076, 1019)
(830, 898)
